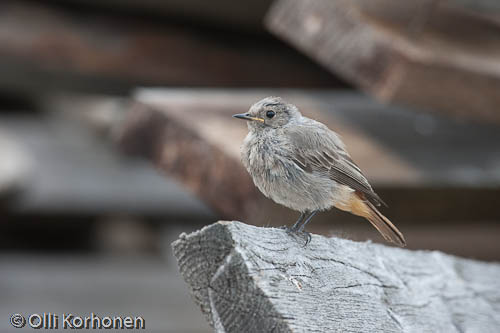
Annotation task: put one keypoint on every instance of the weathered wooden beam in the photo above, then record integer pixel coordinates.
(45, 47)
(440, 185)
(249, 279)
(190, 134)
(424, 53)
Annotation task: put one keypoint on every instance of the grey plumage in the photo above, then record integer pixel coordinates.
(303, 165)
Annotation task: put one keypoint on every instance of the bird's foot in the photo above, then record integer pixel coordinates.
(298, 232)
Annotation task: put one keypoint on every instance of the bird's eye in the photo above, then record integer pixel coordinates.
(270, 114)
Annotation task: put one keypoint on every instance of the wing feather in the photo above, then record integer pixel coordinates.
(314, 148)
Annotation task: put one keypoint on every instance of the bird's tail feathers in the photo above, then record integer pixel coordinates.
(384, 226)
(358, 205)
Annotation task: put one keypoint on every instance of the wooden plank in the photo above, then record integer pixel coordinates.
(425, 53)
(190, 135)
(220, 13)
(216, 106)
(196, 140)
(249, 279)
(78, 173)
(44, 47)
(15, 168)
(227, 13)
(205, 169)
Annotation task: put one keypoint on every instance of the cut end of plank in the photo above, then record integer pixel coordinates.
(252, 279)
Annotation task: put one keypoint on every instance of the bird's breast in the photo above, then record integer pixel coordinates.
(263, 160)
(262, 155)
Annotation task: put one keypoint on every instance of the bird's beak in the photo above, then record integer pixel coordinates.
(246, 116)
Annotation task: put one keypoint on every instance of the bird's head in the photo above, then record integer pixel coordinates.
(270, 112)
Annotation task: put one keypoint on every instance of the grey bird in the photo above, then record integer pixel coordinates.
(301, 164)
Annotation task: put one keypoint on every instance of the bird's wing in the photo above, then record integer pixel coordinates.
(315, 148)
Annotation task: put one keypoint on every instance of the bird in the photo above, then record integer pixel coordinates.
(301, 164)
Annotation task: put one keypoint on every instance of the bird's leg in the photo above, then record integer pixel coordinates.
(311, 214)
(298, 227)
(299, 221)
(301, 229)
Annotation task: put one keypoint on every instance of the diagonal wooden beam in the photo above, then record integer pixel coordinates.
(424, 53)
(192, 136)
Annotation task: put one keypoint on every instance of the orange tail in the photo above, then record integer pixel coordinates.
(384, 226)
(361, 207)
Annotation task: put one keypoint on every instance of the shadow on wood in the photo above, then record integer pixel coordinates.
(250, 279)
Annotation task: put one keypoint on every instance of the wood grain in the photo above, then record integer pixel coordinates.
(249, 279)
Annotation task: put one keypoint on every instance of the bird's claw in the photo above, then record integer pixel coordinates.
(298, 232)
(308, 237)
